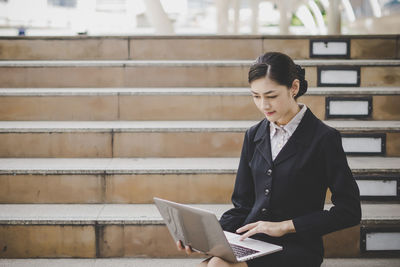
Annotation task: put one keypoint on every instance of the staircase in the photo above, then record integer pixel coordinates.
(92, 128)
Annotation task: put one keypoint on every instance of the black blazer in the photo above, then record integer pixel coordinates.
(294, 185)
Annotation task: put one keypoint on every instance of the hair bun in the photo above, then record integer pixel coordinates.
(300, 72)
(303, 82)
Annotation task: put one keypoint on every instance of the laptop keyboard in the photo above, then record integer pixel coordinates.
(240, 251)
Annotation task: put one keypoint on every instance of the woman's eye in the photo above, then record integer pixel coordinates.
(272, 96)
(256, 96)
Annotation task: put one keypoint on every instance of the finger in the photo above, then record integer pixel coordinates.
(249, 233)
(246, 227)
(179, 245)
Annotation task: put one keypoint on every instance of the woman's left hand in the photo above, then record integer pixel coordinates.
(275, 229)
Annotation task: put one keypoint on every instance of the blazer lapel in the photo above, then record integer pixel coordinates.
(298, 138)
(262, 140)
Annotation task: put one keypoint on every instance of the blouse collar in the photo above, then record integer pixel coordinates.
(291, 126)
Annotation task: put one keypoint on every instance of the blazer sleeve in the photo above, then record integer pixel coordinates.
(243, 194)
(346, 209)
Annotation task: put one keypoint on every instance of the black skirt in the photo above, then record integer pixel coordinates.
(293, 255)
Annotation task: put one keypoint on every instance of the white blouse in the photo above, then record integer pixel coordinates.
(279, 135)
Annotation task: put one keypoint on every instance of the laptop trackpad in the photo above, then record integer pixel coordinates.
(251, 243)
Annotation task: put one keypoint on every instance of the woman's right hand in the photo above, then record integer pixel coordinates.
(187, 249)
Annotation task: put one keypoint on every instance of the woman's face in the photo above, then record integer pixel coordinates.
(274, 100)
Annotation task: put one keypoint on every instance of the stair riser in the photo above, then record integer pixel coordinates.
(55, 49)
(152, 76)
(179, 48)
(124, 189)
(187, 188)
(47, 241)
(58, 108)
(163, 107)
(105, 241)
(137, 144)
(51, 189)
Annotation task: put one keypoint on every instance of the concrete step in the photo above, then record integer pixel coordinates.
(181, 73)
(178, 262)
(103, 231)
(169, 138)
(138, 180)
(177, 103)
(115, 262)
(187, 47)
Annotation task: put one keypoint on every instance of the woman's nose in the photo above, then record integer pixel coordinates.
(265, 104)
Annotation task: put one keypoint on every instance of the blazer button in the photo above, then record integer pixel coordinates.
(266, 192)
(269, 172)
(264, 210)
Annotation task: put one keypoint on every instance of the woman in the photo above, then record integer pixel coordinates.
(288, 161)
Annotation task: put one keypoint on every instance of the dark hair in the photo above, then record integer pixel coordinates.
(281, 69)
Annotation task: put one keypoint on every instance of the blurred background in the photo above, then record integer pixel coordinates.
(194, 17)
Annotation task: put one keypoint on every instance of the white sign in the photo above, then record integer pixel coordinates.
(356, 107)
(362, 144)
(329, 48)
(377, 187)
(339, 77)
(383, 241)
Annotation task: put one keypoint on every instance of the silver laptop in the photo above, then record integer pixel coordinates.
(201, 230)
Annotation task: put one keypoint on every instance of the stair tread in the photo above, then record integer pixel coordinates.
(174, 126)
(161, 165)
(187, 91)
(185, 63)
(176, 262)
(139, 213)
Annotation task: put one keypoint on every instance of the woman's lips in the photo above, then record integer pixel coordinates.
(269, 113)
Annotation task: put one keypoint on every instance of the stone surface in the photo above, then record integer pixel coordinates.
(183, 262)
(162, 165)
(150, 138)
(169, 73)
(393, 144)
(59, 108)
(373, 48)
(386, 107)
(62, 77)
(47, 241)
(87, 214)
(51, 188)
(68, 48)
(128, 231)
(296, 49)
(141, 262)
(164, 91)
(190, 63)
(195, 48)
(188, 107)
(184, 47)
(52, 144)
(103, 104)
(181, 144)
(344, 243)
(173, 126)
(184, 188)
(378, 76)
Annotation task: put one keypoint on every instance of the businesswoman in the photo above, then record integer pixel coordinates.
(288, 161)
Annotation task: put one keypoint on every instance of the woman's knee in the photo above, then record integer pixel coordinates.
(218, 262)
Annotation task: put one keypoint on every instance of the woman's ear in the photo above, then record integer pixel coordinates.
(294, 90)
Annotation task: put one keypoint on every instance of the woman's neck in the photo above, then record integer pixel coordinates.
(289, 115)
